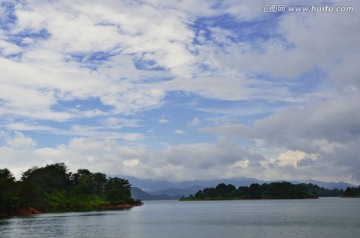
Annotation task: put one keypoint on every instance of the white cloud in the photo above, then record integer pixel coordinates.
(179, 132)
(19, 126)
(8, 49)
(47, 69)
(100, 132)
(326, 130)
(292, 158)
(223, 159)
(118, 123)
(195, 122)
(243, 164)
(145, 32)
(47, 72)
(163, 121)
(131, 162)
(19, 141)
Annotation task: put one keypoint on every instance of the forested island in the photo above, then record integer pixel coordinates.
(53, 189)
(275, 190)
(352, 192)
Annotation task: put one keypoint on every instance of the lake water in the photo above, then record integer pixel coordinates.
(324, 217)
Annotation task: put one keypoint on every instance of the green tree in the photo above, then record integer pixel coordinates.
(8, 201)
(99, 182)
(242, 192)
(223, 190)
(199, 195)
(84, 184)
(41, 184)
(209, 193)
(7, 175)
(89, 183)
(117, 191)
(255, 191)
(351, 192)
(48, 178)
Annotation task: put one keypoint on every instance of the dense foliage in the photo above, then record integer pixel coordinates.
(53, 188)
(323, 192)
(276, 190)
(352, 192)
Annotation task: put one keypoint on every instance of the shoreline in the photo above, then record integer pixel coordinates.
(120, 206)
(246, 199)
(29, 211)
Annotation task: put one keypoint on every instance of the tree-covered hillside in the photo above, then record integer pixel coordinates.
(323, 192)
(53, 188)
(352, 192)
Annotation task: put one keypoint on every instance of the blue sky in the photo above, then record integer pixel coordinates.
(180, 90)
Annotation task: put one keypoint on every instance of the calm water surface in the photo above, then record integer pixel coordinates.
(325, 217)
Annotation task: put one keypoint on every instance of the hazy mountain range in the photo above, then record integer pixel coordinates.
(146, 189)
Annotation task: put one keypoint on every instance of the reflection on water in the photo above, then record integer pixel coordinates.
(330, 217)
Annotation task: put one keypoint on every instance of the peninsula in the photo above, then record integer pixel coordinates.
(53, 189)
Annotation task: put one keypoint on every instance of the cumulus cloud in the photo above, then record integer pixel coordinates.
(66, 38)
(334, 143)
(178, 162)
(195, 122)
(89, 42)
(293, 158)
(163, 121)
(222, 159)
(19, 141)
(179, 132)
(324, 126)
(321, 129)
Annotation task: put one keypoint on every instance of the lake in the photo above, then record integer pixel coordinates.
(324, 217)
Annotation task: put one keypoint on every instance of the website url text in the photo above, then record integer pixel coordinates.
(280, 8)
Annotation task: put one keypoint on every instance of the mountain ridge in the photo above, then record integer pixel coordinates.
(165, 190)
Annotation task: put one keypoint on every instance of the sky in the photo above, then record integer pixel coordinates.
(181, 90)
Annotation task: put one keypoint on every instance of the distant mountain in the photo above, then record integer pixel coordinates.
(330, 185)
(178, 191)
(160, 189)
(137, 193)
(151, 186)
